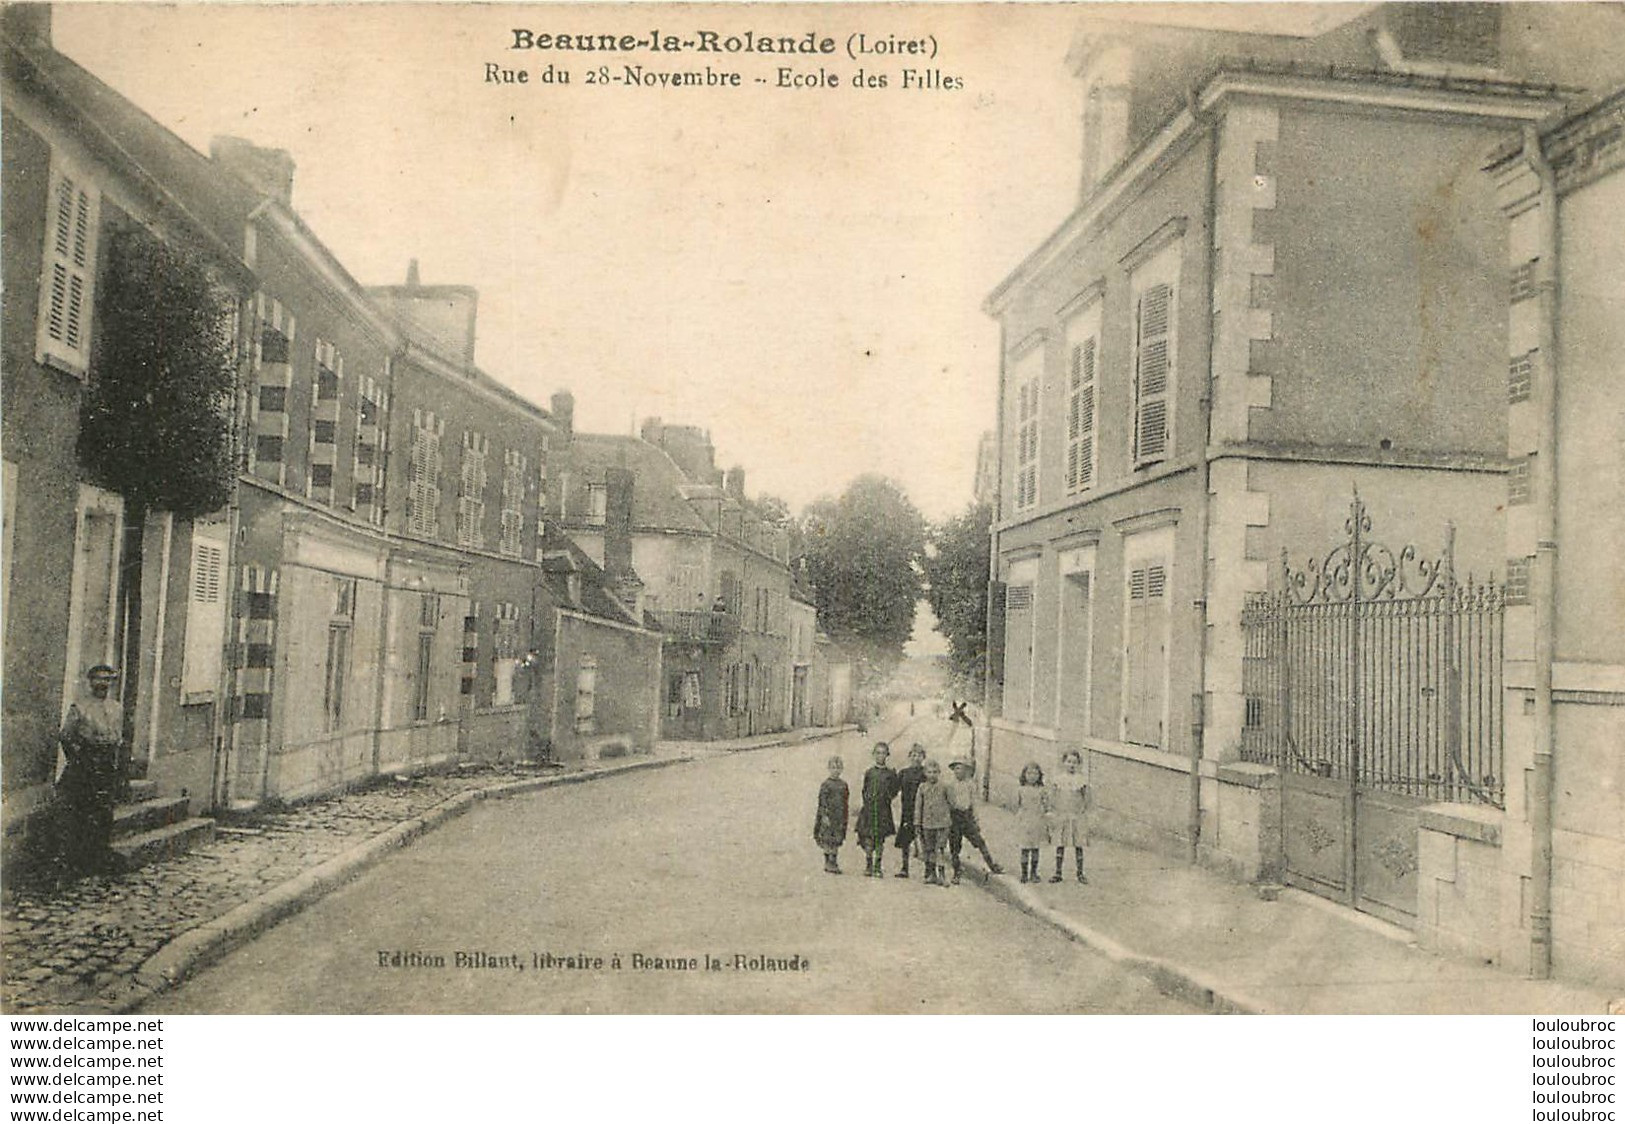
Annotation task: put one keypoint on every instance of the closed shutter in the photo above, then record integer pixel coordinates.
(1080, 422)
(68, 272)
(205, 617)
(1152, 362)
(1145, 654)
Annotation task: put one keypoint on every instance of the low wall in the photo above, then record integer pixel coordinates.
(1241, 822)
(495, 734)
(410, 749)
(315, 768)
(1459, 881)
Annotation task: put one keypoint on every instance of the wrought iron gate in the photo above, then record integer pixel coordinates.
(1373, 683)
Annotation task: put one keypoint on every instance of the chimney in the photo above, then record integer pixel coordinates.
(623, 579)
(564, 414)
(28, 25)
(412, 281)
(734, 483)
(267, 170)
(654, 431)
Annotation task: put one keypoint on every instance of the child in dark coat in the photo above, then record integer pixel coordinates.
(908, 783)
(875, 823)
(829, 825)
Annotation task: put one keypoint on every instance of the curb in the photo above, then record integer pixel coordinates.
(833, 732)
(1171, 979)
(184, 955)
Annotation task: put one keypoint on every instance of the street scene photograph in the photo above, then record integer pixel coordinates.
(845, 509)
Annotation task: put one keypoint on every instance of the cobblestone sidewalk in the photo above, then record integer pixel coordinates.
(75, 949)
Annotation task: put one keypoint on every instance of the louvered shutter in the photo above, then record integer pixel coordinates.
(69, 272)
(205, 617)
(1080, 428)
(1151, 374)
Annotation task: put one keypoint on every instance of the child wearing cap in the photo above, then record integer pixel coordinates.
(829, 824)
(962, 823)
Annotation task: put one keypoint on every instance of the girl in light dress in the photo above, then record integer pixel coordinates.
(1032, 818)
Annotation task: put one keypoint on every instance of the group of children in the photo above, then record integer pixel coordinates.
(937, 815)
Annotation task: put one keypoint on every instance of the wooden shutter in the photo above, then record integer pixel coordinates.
(1080, 422)
(205, 617)
(1145, 659)
(68, 272)
(1152, 360)
(418, 486)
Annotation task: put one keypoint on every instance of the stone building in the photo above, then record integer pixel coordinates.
(713, 570)
(1537, 885)
(1276, 312)
(81, 166)
(382, 591)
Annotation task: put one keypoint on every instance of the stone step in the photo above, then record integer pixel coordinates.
(162, 842)
(143, 790)
(133, 819)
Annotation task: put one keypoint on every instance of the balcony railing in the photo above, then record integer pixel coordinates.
(698, 626)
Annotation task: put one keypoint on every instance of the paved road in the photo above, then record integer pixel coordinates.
(709, 859)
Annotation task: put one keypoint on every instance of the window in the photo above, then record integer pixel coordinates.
(507, 653)
(68, 271)
(1083, 338)
(1075, 656)
(1027, 444)
(1020, 674)
(370, 436)
(428, 624)
(597, 503)
(1145, 638)
(471, 500)
(687, 590)
(513, 503)
(1523, 282)
(1153, 286)
(587, 695)
(1151, 370)
(1520, 377)
(338, 664)
(324, 424)
(423, 486)
(205, 617)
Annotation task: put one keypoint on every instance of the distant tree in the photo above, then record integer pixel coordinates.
(862, 553)
(155, 426)
(956, 575)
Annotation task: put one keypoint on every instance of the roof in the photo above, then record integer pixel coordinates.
(658, 501)
(561, 558)
(184, 178)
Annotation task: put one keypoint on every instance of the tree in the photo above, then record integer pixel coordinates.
(156, 422)
(863, 553)
(155, 426)
(956, 575)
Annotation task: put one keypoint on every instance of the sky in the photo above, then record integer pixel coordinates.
(799, 270)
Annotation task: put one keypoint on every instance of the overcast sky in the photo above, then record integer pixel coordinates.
(800, 270)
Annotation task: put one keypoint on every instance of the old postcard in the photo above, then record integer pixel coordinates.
(826, 508)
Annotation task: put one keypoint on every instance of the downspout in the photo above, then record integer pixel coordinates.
(1543, 577)
(222, 722)
(1203, 472)
(992, 574)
